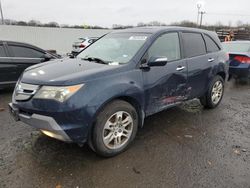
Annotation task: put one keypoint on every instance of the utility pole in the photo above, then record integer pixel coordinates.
(202, 13)
(1, 10)
(199, 5)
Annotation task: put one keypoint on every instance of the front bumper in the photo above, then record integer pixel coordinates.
(44, 123)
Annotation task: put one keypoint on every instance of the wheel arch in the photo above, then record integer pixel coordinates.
(222, 71)
(222, 74)
(129, 99)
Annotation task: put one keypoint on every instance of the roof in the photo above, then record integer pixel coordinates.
(20, 43)
(153, 30)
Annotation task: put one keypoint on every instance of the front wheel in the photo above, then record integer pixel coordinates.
(215, 93)
(115, 128)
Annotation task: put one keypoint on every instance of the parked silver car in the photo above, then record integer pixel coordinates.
(82, 43)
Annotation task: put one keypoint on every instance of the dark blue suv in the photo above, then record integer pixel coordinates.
(103, 95)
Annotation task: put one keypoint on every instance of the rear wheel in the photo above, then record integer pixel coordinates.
(215, 93)
(115, 128)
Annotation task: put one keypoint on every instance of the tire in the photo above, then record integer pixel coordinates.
(209, 100)
(115, 128)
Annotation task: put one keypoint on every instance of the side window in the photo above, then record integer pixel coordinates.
(167, 45)
(2, 51)
(21, 51)
(211, 45)
(193, 44)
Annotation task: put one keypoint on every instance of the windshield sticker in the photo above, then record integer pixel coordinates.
(114, 63)
(138, 38)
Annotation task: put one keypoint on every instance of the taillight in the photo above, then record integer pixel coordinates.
(81, 46)
(242, 59)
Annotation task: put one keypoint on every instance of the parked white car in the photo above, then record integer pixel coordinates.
(83, 43)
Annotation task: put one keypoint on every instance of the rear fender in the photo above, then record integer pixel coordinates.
(219, 69)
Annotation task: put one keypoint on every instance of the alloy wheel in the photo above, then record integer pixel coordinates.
(217, 92)
(117, 130)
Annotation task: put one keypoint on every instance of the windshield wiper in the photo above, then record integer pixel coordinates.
(96, 59)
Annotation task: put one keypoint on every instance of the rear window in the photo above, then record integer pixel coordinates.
(211, 45)
(194, 44)
(2, 52)
(236, 47)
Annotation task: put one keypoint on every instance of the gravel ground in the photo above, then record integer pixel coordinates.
(185, 146)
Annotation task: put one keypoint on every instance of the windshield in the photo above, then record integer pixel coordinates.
(236, 47)
(116, 48)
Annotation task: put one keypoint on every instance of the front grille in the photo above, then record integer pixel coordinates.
(24, 92)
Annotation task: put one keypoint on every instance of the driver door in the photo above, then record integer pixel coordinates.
(165, 86)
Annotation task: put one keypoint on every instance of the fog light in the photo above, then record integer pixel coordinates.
(52, 135)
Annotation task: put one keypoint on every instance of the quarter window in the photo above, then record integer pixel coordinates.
(20, 51)
(167, 45)
(211, 45)
(193, 44)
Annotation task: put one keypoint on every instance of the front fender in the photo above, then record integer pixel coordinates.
(101, 91)
(114, 92)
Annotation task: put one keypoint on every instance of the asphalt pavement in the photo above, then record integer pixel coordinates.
(184, 147)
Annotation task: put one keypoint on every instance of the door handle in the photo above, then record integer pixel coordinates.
(210, 59)
(180, 68)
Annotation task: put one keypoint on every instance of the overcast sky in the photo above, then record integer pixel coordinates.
(126, 12)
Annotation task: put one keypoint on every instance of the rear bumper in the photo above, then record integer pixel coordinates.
(240, 71)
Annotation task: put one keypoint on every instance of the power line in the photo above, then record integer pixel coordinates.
(222, 14)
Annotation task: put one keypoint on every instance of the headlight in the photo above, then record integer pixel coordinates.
(60, 94)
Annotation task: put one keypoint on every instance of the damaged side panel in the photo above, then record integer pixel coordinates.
(165, 86)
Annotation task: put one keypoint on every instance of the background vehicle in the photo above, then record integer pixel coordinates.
(239, 53)
(102, 96)
(83, 43)
(15, 57)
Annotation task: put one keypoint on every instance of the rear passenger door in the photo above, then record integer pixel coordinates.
(23, 57)
(198, 63)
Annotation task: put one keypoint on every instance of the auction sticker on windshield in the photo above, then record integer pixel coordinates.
(138, 38)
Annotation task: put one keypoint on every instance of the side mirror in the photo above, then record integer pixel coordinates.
(72, 55)
(157, 61)
(47, 57)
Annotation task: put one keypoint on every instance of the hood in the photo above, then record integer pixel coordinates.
(66, 72)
